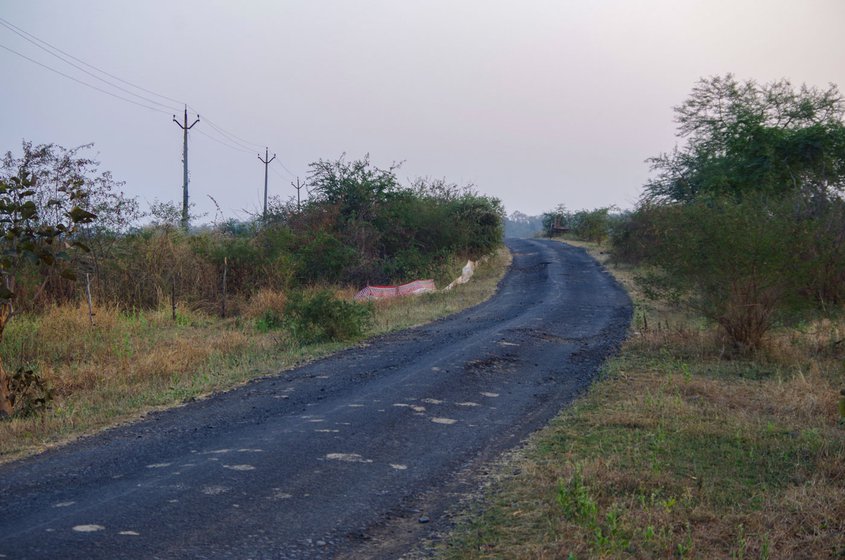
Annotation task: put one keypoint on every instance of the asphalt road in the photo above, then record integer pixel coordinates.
(341, 457)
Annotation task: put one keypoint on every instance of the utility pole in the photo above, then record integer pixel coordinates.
(185, 128)
(266, 161)
(298, 187)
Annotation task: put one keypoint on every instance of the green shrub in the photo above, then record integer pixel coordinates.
(322, 317)
(733, 262)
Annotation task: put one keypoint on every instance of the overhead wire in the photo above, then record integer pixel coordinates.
(230, 146)
(84, 83)
(32, 38)
(283, 166)
(231, 136)
(239, 141)
(229, 139)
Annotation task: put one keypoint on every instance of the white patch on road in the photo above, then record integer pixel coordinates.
(468, 403)
(279, 495)
(398, 467)
(64, 504)
(159, 465)
(316, 420)
(129, 533)
(435, 369)
(432, 401)
(248, 450)
(447, 421)
(402, 404)
(417, 408)
(327, 431)
(506, 343)
(355, 405)
(347, 457)
(491, 395)
(214, 490)
(88, 528)
(216, 452)
(239, 467)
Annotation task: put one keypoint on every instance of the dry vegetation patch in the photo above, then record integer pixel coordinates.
(682, 450)
(130, 362)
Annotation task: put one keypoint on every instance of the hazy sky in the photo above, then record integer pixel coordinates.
(536, 102)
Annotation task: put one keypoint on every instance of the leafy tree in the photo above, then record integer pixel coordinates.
(743, 138)
(518, 224)
(32, 241)
(52, 167)
(592, 225)
(556, 220)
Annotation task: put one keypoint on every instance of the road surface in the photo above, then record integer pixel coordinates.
(343, 457)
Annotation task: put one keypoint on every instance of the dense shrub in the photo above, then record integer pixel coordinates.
(744, 221)
(322, 317)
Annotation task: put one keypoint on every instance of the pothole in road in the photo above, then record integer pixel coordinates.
(489, 364)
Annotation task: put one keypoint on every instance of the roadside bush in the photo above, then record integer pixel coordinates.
(733, 262)
(592, 225)
(321, 317)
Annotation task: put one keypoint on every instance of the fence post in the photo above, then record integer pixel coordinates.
(88, 297)
(173, 297)
(223, 299)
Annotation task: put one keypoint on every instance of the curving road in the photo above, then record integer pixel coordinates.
(357, 455)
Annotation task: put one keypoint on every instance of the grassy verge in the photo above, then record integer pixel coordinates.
(682, 450)
(130, 363)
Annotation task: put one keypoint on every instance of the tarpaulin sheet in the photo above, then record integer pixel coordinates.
(385, 292)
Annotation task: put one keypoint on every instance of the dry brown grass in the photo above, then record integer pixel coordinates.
(265, 301)
(127, 363)
(683, 451)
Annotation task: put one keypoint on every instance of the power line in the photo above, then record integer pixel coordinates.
(246, 144)
(229, 139)
(289, 172)
(21, 32)
(230, 146)
(279, 175)
(84, 83)
(80, 68)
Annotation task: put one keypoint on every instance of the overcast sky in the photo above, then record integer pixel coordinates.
(536, 102)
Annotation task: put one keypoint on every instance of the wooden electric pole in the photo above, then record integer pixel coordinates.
(185, 128)
(266, 161)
